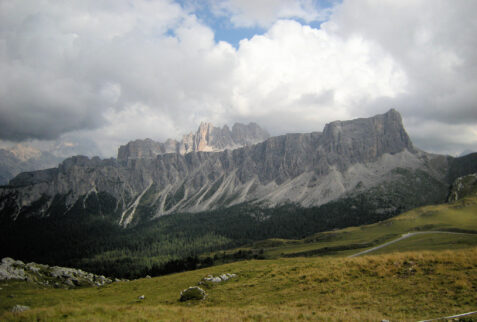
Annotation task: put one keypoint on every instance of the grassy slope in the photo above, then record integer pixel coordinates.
(459, 216)
(401, 286)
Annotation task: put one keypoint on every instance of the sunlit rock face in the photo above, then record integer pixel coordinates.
(206, 138)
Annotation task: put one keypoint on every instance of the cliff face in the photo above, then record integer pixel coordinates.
(308, 169)
(206, 138)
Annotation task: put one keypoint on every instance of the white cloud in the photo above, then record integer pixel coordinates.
(113, 71)
(301, 71)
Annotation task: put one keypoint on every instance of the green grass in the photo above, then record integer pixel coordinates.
(400, 286)
(459, 216)
(435, 241)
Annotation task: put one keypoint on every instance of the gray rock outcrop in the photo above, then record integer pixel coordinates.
(463, 187)
(45, 275)
(217, 279)
(11, 269)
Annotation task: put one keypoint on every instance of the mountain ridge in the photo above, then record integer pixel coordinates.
(311, 169)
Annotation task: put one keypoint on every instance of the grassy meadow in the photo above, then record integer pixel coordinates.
(399, 286)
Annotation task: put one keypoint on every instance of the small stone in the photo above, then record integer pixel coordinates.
(20, 308)
(147, 276)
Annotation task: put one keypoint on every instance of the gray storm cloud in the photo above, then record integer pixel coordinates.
(112, 71)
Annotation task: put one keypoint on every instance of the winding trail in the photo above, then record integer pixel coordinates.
(450, 317)
(404, 236)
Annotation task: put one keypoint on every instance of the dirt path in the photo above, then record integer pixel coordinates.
(404, 236)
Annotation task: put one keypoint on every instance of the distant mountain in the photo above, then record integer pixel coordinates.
(24, 157)
(207, 138)
(371, 157)
(20, 159)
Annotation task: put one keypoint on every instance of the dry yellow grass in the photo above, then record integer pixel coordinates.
(401, 286)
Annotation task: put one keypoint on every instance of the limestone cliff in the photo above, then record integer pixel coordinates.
(373, 154)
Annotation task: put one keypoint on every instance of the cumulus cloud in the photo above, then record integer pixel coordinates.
(62, 62)
(302, 73)
(113, 71)
(434, 43)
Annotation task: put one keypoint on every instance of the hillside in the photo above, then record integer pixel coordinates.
(435, 227)
(404, 287)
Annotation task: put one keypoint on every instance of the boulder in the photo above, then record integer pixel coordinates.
(193, 293)
(11, 269)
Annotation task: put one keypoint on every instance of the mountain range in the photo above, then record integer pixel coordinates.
(157, 206)
(372, 156)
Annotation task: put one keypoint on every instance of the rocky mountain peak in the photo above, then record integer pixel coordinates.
(202, 137)
(365, 139)
(206, 138)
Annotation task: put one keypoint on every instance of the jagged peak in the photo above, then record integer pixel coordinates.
(206, 138)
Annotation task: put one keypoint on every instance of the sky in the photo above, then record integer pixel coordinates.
(110, 71)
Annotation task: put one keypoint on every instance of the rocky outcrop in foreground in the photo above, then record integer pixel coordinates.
(53, 276)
